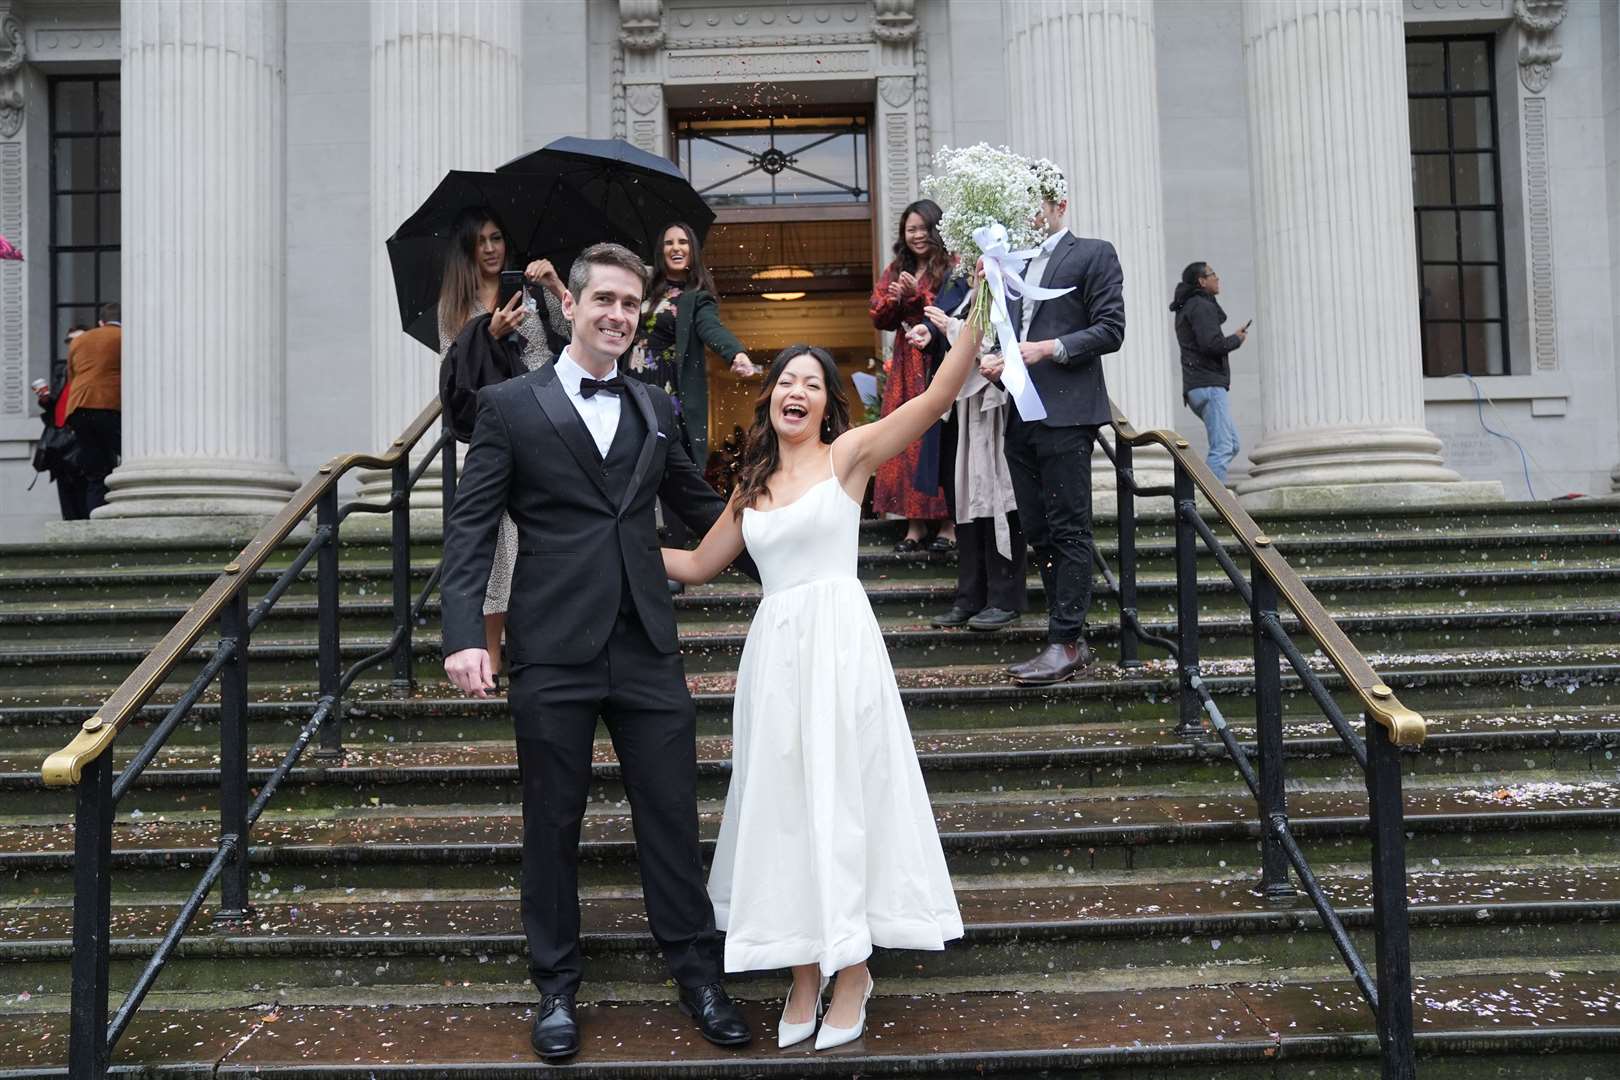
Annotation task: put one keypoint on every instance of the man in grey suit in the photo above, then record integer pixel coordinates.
(1063, 341)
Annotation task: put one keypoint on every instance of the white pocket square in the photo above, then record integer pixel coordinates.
(661, 435)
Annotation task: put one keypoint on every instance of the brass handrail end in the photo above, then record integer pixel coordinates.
(1406, 728)
(64, 767)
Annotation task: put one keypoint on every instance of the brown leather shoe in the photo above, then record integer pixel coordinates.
(1055, 664)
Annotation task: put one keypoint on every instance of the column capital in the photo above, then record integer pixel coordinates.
(13, 54)
(641, 24)
(1537, 20)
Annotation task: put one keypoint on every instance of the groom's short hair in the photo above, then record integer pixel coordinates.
(579, 275)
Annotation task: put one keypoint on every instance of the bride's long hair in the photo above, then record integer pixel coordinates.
(762, 454)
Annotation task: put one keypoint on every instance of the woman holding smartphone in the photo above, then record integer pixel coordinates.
(477, 255)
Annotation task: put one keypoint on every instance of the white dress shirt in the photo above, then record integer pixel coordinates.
(1033, 274)
(600, 411)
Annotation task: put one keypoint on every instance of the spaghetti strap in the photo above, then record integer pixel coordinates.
(831, 464)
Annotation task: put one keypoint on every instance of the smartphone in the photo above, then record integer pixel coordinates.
(511, 285)
(1247, 325)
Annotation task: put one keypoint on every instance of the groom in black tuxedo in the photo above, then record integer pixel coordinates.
(578, 457)
(1063, 341)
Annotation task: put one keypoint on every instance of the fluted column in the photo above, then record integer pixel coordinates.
(1084, 93)
(204, 253)
(1337, 321)
(445, 94)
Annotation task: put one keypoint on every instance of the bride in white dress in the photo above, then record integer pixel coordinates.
(828, 844)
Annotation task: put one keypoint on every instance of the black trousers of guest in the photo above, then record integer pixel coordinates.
(100, 434)
(1051, 475)
(984, 577)
(73, 494)
(641, 695)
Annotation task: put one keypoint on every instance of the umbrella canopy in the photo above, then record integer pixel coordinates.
(542, 218)
(640, 193)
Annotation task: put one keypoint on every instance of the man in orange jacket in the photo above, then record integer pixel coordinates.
(95, 398)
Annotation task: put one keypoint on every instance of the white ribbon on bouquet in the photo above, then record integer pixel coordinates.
(1002, 275)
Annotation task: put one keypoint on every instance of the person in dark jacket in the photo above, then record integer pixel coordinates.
(1206, 377)
(72, 489)
(679, 318)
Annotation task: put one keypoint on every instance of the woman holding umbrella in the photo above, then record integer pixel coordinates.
(473, 263)
(679, 317)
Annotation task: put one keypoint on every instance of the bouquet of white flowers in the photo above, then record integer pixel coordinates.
(980, 187)
(990, 197)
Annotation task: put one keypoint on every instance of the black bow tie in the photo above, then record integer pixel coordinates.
(589, 387)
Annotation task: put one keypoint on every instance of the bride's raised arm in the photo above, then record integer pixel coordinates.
(720, 547)
(881, 440)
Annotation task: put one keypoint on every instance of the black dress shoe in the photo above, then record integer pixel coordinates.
(992, 618)
(1057, 663)
(717, 1015)
(556, 1032)
(957, 616)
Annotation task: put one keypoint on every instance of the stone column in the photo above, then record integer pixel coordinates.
(1086, 96)
(204, 254)
(445, 94)
(639, 115)
(1337, 320)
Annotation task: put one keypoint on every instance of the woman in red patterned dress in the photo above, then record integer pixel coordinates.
(909, 283)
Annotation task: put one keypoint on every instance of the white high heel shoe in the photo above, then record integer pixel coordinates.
(829, 1036)
(789, 1034)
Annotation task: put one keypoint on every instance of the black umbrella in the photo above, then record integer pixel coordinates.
(640, 193)
(542, 219)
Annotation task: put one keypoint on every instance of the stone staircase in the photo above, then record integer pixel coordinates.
(1104, 865)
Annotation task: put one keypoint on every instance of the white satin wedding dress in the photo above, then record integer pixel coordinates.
(828, 845)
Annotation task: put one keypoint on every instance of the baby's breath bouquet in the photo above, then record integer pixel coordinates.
(979, 186)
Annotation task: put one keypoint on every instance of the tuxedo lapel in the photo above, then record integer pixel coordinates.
(571, 429)
(636, 390)
(1054, 263)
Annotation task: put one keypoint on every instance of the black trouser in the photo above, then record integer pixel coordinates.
(641, 694)
(984, 577)
(1051, 475)
(73, 493)
(99, 432)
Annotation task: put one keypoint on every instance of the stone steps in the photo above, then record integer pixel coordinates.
(1104, 865)
(1234, 1032)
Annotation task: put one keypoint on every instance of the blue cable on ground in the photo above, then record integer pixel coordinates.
(1479, 405)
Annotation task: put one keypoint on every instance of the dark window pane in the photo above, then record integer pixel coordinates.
(1428, 121)
(107, 106)
(1440, 293)
(69, 317)
(1439, 234)
(76, 219)
(109, 276)
(76, 277)
(1476, 179)
(1425, 67)
(1471, 124)
(1482, 292)
(1442, 349)
(108, 176)
(1484, 343)
(1470, 67)
(75, 106)
(75, 163)
(1478, 228)
(1431, 182)
(109, 224)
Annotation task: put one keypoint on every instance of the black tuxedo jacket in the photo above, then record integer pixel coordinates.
(1090, 321)
(585, 524)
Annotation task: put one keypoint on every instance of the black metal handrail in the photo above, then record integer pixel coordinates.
(1389, 724)
(87, 760)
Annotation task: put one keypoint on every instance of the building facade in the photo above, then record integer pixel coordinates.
(1418, 204)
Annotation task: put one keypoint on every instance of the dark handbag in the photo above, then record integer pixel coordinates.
(57, 451)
